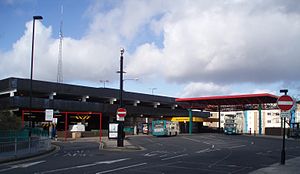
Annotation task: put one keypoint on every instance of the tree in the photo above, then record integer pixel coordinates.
(9, 121)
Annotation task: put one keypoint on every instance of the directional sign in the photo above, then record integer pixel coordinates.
(285, 102)
(121, 112)
(49, 114)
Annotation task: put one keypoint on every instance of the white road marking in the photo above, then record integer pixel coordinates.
(233, 147)
(207, 150)
(206, 142)
(174, 157)
(29, 164)
(202, 151)
(85, 165)
(148, 139)
(163, 155)
(154, 153)
(112, 161)
(25, 165)
(198, 141)
(121, 168)
(12, 167)
(150, 154)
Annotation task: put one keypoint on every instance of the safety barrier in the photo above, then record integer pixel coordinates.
(23, 147)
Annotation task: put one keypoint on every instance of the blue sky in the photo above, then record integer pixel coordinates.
(182, 48)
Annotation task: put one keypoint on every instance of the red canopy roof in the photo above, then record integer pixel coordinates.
(232, 99)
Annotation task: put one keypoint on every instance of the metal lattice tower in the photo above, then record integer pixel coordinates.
(59, 65)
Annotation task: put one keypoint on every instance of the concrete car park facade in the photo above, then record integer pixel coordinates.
(83, 104)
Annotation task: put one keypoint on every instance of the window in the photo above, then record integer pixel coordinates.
(269, 113)
(269, 121)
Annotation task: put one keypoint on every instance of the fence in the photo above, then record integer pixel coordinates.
(19, 143)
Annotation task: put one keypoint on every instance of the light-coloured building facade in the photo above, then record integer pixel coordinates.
(269, 119)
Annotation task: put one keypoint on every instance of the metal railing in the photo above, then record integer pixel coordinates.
(19, 143)
(24, 147)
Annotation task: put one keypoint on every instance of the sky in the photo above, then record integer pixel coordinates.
(177, 48)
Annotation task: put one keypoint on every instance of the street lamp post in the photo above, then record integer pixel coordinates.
(120, 141)
(31, 66)
(282, 159)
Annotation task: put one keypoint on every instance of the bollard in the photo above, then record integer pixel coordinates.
(29, 144)
(16, 146)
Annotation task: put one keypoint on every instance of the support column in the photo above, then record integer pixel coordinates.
(259, 120)
(246, 122)
(22, 118)
(219, 110)
(100, 127)
(191, 121)
(66, 125)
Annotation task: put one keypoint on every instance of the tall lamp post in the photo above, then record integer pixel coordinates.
(282, 157)
(31, 66)
(120, 141)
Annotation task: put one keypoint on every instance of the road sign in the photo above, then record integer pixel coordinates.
(121, 112)
(285, 102)
(286, 114)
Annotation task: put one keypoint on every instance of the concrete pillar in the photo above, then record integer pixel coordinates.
(259, 120)
(191, 121)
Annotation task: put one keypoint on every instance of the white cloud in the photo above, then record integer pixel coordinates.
(204, 89)
(151, 64)
(208, 45)
(228, 42)
(259, 91)
(86, 59)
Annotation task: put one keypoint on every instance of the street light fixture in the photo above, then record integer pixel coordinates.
(136, 79)
(104, 81)
(31, 65)
(152, 90)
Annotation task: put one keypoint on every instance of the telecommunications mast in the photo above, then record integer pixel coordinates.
(59, 65)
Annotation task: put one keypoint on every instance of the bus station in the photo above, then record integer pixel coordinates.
(95, 108)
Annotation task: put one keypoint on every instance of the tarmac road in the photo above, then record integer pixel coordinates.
(197, 153)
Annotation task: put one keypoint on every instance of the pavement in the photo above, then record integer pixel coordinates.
(291, 166)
